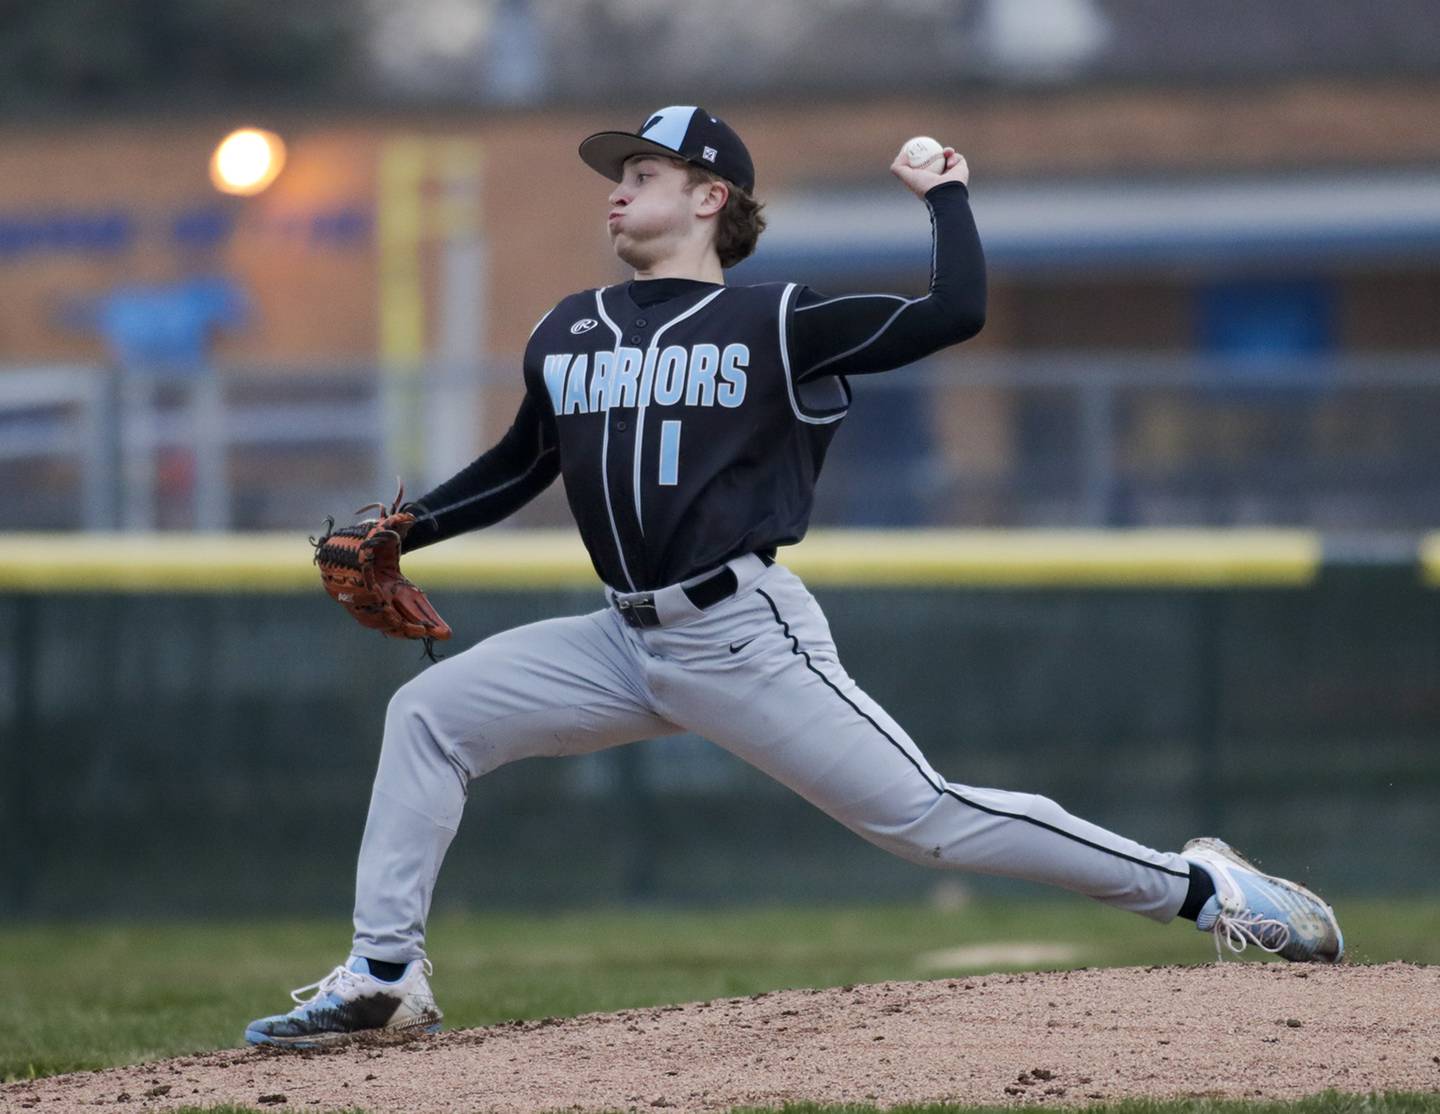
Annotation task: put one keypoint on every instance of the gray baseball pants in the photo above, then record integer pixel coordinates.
(757, 674)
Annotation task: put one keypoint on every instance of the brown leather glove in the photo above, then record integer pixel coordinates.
(360, 567)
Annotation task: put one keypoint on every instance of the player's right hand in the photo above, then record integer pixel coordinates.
(921, 182)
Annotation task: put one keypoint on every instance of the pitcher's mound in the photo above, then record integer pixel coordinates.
(1238, 1030)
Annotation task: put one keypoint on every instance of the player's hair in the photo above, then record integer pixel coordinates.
(739, 224)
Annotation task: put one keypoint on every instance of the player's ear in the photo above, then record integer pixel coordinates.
(713, 199)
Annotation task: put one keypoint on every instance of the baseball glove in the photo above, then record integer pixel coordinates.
(360, 567)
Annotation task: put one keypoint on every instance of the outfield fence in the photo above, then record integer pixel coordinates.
(169, 747)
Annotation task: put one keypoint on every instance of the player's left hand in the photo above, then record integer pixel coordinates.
(922, 182)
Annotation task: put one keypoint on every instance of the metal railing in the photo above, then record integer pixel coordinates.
(1069, 439)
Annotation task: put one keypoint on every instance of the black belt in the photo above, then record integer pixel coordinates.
(712, 589)
(639, 611)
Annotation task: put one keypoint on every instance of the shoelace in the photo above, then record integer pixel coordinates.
(1238, 931)
(341, 979)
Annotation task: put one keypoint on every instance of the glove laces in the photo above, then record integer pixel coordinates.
(1237, 931)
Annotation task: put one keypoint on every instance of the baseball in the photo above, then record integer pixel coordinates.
(924, 153)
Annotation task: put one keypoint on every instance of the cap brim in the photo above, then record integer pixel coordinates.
(606, 152)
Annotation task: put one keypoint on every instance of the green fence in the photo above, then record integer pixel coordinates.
(179, 753)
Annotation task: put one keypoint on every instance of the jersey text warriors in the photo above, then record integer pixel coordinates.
(683, 440)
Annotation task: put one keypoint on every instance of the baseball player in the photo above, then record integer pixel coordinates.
(690, 420)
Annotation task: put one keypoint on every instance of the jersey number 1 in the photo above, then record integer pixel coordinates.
(669, 454)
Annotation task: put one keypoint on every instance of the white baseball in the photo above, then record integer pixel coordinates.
(923, 153)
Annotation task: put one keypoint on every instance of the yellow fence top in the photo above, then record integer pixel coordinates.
(512, 559)
(1430, 559)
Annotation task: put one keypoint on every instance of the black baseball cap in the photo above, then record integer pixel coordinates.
(678, 132)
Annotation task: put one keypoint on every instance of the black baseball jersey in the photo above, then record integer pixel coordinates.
(690, 420)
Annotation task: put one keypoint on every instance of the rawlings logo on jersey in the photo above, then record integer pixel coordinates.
(701, 375)
(584, 325)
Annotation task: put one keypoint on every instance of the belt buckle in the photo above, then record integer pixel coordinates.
(639, 611)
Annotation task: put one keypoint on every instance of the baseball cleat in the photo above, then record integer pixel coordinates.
(350, 1001)
(1249, 907)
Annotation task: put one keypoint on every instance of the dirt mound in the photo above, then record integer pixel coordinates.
(1239, 1030)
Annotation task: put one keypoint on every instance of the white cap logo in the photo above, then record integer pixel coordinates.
(709, 154)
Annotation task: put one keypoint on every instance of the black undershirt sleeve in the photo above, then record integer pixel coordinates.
(857, 334)
(495, 485)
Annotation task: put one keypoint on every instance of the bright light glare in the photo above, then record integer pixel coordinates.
(247, 161)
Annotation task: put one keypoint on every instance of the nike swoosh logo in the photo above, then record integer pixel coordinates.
(736, 647)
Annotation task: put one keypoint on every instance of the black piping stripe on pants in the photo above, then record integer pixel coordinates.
(944, 789)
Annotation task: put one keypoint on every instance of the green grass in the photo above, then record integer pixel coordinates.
(91, 996)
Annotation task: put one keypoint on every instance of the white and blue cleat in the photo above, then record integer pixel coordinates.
(350, 1002)
(1276, 915)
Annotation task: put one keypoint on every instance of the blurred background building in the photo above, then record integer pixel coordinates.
(1213, 234)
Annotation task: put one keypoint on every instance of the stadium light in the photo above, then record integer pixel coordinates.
(247, 161)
